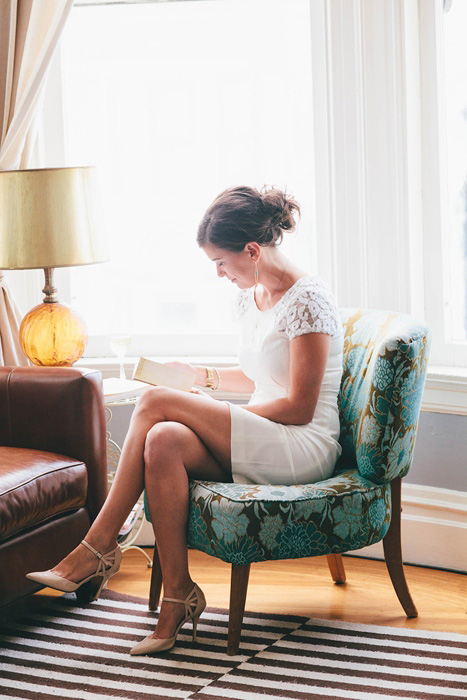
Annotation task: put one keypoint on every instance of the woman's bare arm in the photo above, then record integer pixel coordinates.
(308, 359)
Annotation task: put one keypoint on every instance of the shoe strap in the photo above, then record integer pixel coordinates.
(91, 549)
(190, 601)
(103, 558)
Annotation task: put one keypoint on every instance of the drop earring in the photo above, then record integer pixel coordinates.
(256, 274)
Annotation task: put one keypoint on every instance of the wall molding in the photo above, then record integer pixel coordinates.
(445, 391)
(434, 529)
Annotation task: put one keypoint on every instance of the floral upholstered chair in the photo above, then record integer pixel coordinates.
(385, 361)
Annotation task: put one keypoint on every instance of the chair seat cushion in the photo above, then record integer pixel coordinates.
(241, 524)
(37, 485)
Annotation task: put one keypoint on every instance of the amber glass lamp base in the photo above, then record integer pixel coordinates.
(51, 334)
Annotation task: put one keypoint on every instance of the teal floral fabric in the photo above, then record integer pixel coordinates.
(241, 524)
(384, 368)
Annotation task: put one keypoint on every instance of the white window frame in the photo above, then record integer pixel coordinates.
(365, 74)
(435, 196)
(380, 165)
(372, 58)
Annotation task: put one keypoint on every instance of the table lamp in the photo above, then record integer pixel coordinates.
(50, 218)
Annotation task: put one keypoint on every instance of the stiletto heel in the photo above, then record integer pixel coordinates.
(91, 590)
(90, 587)
(87, 591)
(152, 645)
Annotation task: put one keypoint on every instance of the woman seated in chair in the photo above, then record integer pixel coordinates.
(290, 358)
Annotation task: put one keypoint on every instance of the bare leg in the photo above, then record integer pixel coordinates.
(173, 454)
(209, 418)
(126, 489)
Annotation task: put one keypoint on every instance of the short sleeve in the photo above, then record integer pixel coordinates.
(311, 309)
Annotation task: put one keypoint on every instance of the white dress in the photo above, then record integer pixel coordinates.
(266, 452)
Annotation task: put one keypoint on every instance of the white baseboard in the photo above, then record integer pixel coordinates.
(434, 529)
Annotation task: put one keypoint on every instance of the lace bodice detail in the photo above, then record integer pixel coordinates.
(306, 307)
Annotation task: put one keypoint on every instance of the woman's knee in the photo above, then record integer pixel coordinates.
(162, 441)
(151, 402)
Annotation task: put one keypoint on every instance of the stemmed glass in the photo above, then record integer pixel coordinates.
(120, 344)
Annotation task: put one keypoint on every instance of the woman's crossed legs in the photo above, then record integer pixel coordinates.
(173, 436)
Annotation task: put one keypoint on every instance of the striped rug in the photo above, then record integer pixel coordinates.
(60, 650)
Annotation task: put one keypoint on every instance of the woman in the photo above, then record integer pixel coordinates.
(290, 358)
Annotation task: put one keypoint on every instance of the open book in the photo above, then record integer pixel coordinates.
(153, 372)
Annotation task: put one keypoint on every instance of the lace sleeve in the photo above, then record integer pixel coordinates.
(312, 309)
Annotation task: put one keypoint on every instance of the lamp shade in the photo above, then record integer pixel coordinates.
(50, 218)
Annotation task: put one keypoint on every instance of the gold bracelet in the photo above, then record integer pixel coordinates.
(210, 378)
(218, 378)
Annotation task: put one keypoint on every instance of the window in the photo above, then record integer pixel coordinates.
(443, 66)
(174, 102)
(455, 81)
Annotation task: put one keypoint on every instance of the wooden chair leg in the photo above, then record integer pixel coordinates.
(336, 567)
(393, 552)
(238, 591)
(156, 581)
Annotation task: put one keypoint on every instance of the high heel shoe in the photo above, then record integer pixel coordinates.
(88, 588)
(196, 600)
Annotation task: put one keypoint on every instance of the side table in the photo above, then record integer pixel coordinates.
(135, 521)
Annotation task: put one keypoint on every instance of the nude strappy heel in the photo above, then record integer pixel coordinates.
(194, 604)
(90, 587)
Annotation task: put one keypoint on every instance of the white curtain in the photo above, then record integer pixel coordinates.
(29, 34)
(10, 318)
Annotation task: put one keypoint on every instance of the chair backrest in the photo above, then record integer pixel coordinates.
(384, 370)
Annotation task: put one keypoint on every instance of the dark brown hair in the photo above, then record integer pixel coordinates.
(242, 214)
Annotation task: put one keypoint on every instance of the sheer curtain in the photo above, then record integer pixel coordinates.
(29, 33)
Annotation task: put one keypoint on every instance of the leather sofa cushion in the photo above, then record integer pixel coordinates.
(37, 485)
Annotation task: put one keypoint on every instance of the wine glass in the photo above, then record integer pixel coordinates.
(120, 344)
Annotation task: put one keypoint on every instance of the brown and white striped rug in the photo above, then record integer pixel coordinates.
(60, 650)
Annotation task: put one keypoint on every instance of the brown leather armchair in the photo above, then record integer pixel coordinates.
(53, 468)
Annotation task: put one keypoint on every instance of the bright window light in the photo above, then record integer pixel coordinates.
(455, 65)
(174, 102)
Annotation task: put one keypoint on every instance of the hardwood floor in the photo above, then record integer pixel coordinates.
(305, 587)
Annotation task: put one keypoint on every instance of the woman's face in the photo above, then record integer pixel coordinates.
(237, 267)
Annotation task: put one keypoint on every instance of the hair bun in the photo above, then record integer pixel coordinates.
(242, 214)
(280, 208)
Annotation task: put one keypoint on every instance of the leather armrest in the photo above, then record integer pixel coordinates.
(61, 410)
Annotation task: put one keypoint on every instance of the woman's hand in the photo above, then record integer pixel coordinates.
(181, 365)
(201, 393)
(200, 371)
